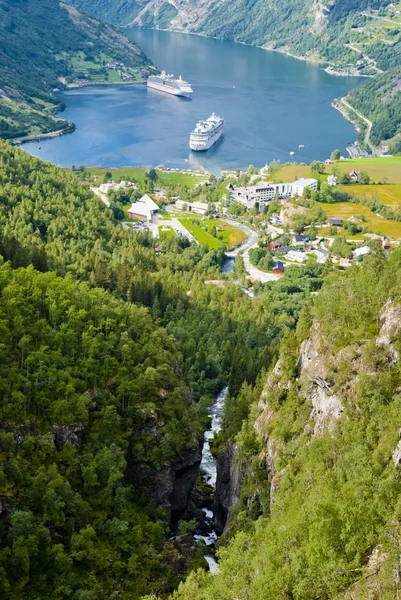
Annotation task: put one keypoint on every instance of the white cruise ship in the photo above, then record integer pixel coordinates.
(167, 83)
(206, 133)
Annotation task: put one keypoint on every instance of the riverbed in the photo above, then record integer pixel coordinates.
(271, 104)
(209, 470)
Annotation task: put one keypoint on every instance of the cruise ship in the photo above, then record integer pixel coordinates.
(206, 133)
(167, 83)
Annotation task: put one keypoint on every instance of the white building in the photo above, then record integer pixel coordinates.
(296, 256)
(321, 255)
(182, 205)
(332, 180)
(361, 251)
(107, 187)
(199, 208)
(300, 185)
(144, 209)
(264, 193)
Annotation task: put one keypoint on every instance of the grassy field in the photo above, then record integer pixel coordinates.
(376, 224)
(139, 174)
(387, 170)
(187, 179)
(165, 231)
(289, 173)
(388, 194)
(201, 236)
(229, 236)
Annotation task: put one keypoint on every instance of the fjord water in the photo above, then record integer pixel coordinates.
(271, 103)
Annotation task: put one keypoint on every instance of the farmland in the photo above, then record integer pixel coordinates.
(390, 195)
(375, 223)
(386, 169)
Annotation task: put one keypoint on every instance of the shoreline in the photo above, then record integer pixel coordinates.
(315, 61)
(18, 141)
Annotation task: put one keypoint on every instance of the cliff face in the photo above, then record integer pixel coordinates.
(230, 476)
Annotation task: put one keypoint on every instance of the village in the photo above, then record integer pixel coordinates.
(266, 221)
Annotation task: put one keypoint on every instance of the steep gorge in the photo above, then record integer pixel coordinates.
(319, 456)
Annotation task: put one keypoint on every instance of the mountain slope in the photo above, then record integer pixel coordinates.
(47, 45)
(320, 457)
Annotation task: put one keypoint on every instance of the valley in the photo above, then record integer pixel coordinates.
(200, 376)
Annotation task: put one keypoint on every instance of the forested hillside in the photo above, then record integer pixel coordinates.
(111, 354)
(46, 45)
(318, 510)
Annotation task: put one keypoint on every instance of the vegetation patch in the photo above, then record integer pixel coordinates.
(376, 224)
(387, 194)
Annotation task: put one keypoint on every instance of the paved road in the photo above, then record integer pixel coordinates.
(360, 115)
(102, 197)
(174, 223)
(251, 242)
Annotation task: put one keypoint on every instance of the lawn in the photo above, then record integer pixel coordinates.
(139, 174)
(201, 236)
(231, 236)
(388, 194)
(165, 231)
(289, 173)
(188, 179)
(376, 224)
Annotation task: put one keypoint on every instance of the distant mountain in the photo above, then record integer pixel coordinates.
(313, 28)
(45, 45)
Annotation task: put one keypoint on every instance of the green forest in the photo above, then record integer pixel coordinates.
(44, 46)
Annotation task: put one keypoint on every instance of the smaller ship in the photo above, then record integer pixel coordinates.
(292, 153)
(301, 146)
(206, 133)
(167, 83)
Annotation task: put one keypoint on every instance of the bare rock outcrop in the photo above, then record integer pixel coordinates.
(390, 326)
(313, 375)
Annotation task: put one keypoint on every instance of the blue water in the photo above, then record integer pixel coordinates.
(271, 103)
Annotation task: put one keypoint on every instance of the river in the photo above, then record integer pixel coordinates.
(209, 470)
(271, 103)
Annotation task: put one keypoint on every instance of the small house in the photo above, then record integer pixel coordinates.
(278, 267)
(106, 187)
(275, 244)
(281, 250)
(332, 180)
(354, 176)
(199, 208)
(296, 256)
(300, 240)
(386, 245)
(321, 255)
(345, 262)
(361, 251)
(336, 222)
(144, 209)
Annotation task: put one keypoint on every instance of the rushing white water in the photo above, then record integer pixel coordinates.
(208, 466)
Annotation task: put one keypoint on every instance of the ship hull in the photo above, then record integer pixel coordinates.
(168, 90)
(197, 146)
